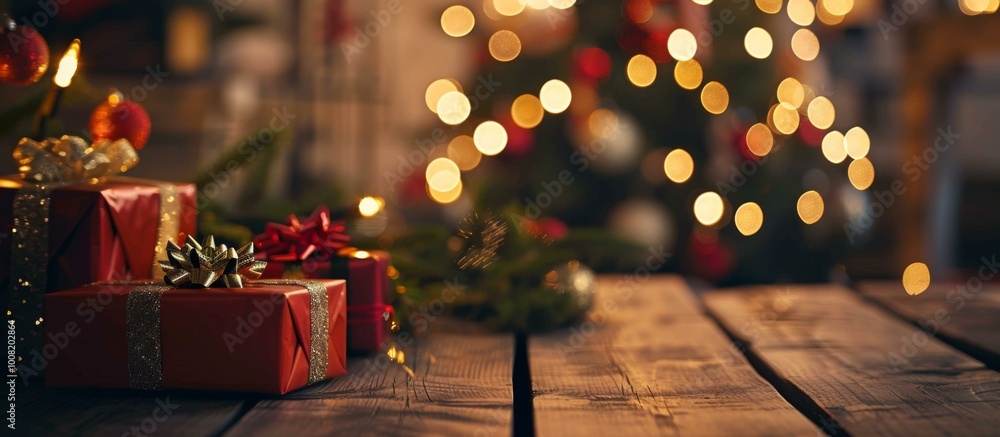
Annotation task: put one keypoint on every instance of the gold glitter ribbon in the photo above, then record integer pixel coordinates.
(29, 260)
(207, 265)
(72, 159)
(142, 324)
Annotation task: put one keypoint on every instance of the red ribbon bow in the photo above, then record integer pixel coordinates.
(300, 239)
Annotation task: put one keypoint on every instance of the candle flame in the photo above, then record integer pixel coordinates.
(67, 65)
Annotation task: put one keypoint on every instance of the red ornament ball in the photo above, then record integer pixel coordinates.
(24, 54)
(118, 118)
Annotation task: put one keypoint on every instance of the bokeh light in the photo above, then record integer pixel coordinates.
(857, 142)
(445, 197)
(555, 96)
(708, 208)
(810, 207)
(678, 166)
(759, 139)
(457, 21)
(369, 206)
(508, 8)
(821, 112)
(504, 46)
(758, 43)
(527, 111)
(715, 97)
(682, 45)
(833, 147)
(442, 175)
(824, 15)
(437, 89)
(790, 91)
(562, 4)
(749, 218)
(688, 74)
(453, 108)
(916, 278)
(801, 12)
(805, 45)
(786, 118)
(861, 173)
(838, 7)
(490, 138)
(641, 70)
(769, 6)
(462, 150)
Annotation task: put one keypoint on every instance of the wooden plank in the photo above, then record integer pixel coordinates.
(964, 316)
(72, 412)
(870, 372)
(651, 363)
(461, 385)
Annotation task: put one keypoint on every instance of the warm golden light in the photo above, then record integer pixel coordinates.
(678, 166)
(527, 111)
(504, 46)
(715, 97)
(443, 174)
(681, 44)
(769, 6)
(453, 108)
(838, 7)
(758, 43)
(786, 118)
(462, 150)
(457, 21)
(992, 6)
(562, 4)
(790, 91)
(362, 254)
(759, 139)
(67, 65)
(833, 147)
(810, 207)
(641, 71)
(801, 12)
(708, 208)
(821, 112)
(805, 45)
(749, 218)
(688, 74)
(916, 278)
(369, 206)
(537, 4)
(555, 96)
(508, 8)
(437, 89)
(857, 143)
(825, 16)
(702, 2)
(603, 123)
(490, 138)
(445, 197)
(861, 173)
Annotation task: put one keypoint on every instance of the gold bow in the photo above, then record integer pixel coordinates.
(72, 159)
(205, 265)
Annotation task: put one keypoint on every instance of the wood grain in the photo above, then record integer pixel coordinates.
(88, 412)
(461, 385)
(652, 364)
(965, 317)
(872, 373)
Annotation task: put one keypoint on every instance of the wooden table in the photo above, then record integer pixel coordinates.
(654, 358)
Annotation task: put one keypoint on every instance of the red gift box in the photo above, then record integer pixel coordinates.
(369, 314)
(252, 339)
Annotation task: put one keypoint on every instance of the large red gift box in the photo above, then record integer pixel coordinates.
(369, 314)
(252, 339)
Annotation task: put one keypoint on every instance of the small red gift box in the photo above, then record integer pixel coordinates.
(254, 339)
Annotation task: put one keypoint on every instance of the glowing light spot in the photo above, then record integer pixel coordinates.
(758, 43)
(916, 278)
(805, 45)
(790, 91)
(562, 4)
(603, 123)
(436, 90)
(688, 74)
(443, 174)
(769, 6)
(362, 254)
(702, 2)
(555, 96)
(749, 218)
(678, 166)
(504, 46)
(681, 45)
(537, 4)
(527, 111)
(833, 147)
(825, 16)
(639, 11)
(453, 108)
(457, 21)
(786, 118)
(67, 64)
(861, 173)
(801, 12)
(641, 71)
(759, 139)
(810, 207)
(490, 138)
(708, 208)
(838, 7)
(445, 197)
(369, 206)
(857, 143)
(821, 112)
(508, 8)
(462, 150)
(992, 6)
(714, 97)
